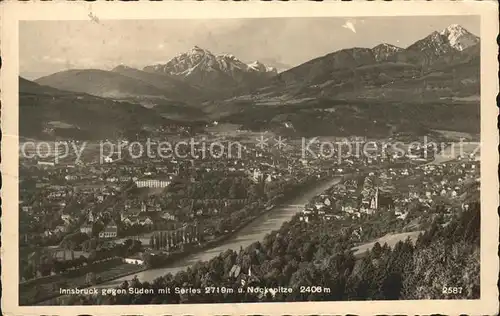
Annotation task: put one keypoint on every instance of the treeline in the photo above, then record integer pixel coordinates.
(446, 255)
(215, 185)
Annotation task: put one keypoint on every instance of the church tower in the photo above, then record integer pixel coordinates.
(374, 202)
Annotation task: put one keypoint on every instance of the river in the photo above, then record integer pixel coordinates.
(455, 150)
(254, 231)
(272, 220)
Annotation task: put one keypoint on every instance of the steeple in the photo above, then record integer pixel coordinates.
(374, 201)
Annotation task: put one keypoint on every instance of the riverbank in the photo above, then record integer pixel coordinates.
(37, 291)
(249, 231)
(191, 249)
(212, 246)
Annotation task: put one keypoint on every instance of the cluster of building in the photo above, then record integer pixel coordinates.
(399, 190)
(93, 198)
(347, 199)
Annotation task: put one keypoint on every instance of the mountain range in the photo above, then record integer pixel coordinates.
(202, 68)
(197, 84)
(354, 70)
(46, 112)
(120, 83)
(425, 51)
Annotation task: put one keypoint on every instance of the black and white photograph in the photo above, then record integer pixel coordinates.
(274, 159)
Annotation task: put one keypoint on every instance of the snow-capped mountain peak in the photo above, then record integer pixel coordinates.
(438, 43)
(384, 51)
(458, 37)
(229, 56)
(389, 46)
(201, 67)
(453, 28)
(197, 49)
(258, 66)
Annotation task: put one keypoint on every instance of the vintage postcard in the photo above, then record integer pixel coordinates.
(231, 158)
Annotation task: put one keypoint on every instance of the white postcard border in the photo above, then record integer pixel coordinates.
(12, 12)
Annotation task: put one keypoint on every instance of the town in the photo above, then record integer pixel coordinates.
(162, 162)
(91, 222)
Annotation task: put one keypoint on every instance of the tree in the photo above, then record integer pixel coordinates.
(90, 278)
(135, 247)
(307, 252)
(376, 251)
(128, 243)
(161, 240)
(82, 259)
(150, 261)
(93, 256)
(152, 242)
(233, 190)
(254, 192)
(28, 272)
(392, 285)
(157, 241)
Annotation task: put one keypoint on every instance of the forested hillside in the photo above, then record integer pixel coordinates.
(446, 255)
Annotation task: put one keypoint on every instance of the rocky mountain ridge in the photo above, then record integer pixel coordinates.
(202, 68)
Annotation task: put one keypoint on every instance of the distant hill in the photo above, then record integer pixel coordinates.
(374, 118)
(45, 112)
(444, 64)
(123, 83)
(170, 87)
(435, 82)
(363, 91)
(30, 87)
(321, 69)
(453, 75)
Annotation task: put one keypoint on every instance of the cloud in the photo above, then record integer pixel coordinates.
(350, 26)
(160, 46)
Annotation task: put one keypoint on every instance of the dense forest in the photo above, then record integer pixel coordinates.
(445, 255)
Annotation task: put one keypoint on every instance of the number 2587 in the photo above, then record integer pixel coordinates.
(452, 290)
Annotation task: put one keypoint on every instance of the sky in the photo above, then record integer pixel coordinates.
(46, 47)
